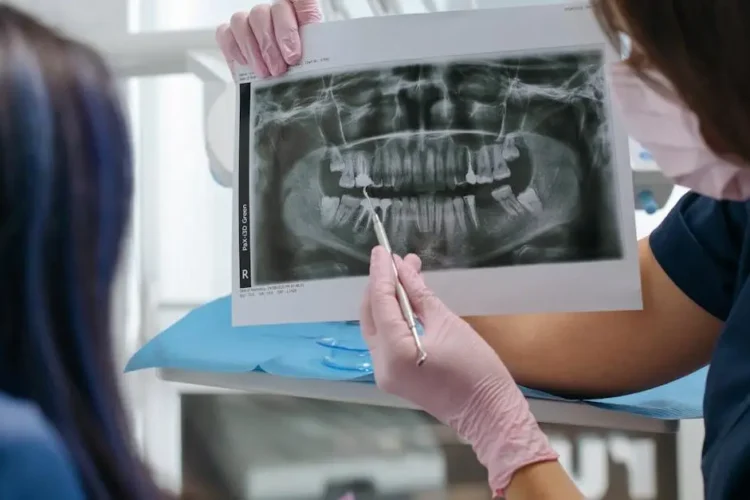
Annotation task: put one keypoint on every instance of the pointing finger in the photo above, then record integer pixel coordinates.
(425, 303)
(414, 262)
(366, 322)
(386, 312)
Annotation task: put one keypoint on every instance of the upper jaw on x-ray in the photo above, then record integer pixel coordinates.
(465, 162)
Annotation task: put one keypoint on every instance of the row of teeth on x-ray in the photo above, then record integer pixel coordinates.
(431, 167)
(426, 213)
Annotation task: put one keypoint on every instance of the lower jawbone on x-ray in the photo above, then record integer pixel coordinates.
(470, 164)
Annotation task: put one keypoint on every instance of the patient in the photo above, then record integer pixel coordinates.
(65, 194)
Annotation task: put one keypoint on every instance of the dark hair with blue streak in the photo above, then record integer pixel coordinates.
(65, 195)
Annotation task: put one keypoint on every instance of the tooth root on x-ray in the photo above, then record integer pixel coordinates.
(460, 215)
(471, 208)
(468, 163)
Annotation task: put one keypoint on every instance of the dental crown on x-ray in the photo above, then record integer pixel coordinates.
(466, 161)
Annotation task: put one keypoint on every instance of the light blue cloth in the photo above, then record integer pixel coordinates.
(205, 341)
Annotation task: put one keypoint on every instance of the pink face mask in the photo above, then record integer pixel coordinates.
(671, 134)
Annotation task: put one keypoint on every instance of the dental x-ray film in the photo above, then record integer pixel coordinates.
(487, 141)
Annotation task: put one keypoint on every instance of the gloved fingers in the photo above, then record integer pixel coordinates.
(308, 11)
(245, 39)
(287, 31)
(414, 262)
(262, 27)
(424, 302)
(366, 322)
(382, 357)
(386, 312)
(228, 45)
(410, 260)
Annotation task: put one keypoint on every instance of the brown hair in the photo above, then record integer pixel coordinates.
(702, 47)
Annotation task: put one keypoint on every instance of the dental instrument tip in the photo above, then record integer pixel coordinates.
(369, 201)
(420, 349)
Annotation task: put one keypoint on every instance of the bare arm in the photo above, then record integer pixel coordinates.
(608, 353)
(542, 481)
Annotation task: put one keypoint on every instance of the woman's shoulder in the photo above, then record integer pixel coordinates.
(21, 420)
(24, 429)
(34, 463)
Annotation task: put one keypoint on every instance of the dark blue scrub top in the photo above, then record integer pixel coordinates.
(34, 464)
(704, 247)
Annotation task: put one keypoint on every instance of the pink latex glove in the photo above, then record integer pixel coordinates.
(462, 383)
(267, 38)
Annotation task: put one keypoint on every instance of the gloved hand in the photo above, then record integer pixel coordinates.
(267, 38)
(463, 383)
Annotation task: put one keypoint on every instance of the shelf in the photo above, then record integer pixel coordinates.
(546, 412)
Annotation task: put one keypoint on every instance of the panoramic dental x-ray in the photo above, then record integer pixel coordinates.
(471, 163)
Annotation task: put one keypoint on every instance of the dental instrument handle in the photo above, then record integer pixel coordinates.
(403, 299)
(408, 313)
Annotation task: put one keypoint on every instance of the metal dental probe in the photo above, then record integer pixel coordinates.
(403, 300)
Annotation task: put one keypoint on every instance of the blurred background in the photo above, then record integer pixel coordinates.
(263, 447)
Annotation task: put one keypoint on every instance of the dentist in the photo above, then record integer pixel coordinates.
(685, 95)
